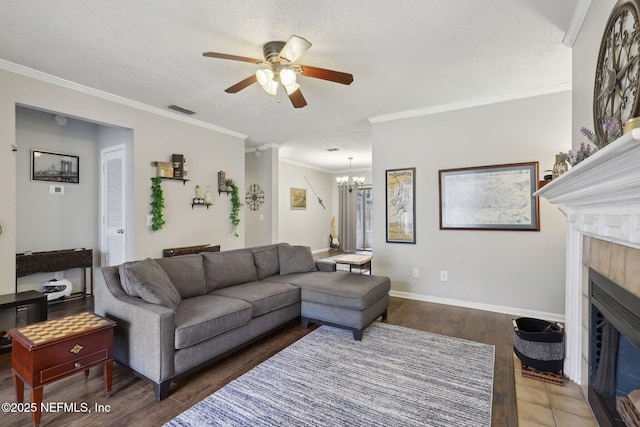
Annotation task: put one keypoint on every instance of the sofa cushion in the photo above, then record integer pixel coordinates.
(295, 259)
(267, 263)
(150, 282)
(341, 289)
(224, 269)
(264, 296)
(186, 273)
(200, 318)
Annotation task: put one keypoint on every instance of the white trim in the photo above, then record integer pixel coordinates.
(600, 198)
(261, 148)
(304, 165)
(562, 87)
(516, 311)
(353, 170)
(577, 19)
(48, 78)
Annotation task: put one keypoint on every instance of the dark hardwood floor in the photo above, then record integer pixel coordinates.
(132, 401)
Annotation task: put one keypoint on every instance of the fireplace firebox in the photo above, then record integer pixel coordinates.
(614, 330)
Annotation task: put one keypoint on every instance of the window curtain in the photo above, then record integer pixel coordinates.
(364, 219)
(347, 204)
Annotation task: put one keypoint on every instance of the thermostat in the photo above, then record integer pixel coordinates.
(56, 189)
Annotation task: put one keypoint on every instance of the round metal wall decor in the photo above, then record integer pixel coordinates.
(615, 92)
(254, 197)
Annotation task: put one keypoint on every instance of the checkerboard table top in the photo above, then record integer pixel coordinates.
(53, 330)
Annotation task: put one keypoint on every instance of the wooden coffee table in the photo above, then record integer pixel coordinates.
(361, 262)
(47, 351)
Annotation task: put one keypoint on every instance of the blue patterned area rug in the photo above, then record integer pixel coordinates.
(395, 376)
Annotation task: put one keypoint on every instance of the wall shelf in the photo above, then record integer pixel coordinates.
(201, 204)
(171, 178)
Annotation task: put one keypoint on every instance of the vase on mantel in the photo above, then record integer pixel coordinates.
(560, 166)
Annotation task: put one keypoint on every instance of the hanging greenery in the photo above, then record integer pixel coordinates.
(235, 206)
(157, 203)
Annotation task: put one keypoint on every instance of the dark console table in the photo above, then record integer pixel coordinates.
(50, 261)
(189, 250)
(35, 301)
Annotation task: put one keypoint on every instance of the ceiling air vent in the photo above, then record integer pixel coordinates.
(181, 110)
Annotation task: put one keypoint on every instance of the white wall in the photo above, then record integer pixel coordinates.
(156, 136)
(311, 226)
(495, 269)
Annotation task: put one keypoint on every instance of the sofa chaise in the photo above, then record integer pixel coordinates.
(176, 315)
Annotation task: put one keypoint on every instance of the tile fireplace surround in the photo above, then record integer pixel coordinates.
(600, 198)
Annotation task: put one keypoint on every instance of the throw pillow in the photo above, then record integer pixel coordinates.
(222, 269)
(151, 283)
(267, 262)
(296, 259)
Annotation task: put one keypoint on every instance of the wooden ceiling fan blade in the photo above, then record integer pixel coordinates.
(297, 99)
(324, 74)
(294, 48)
(231, 57)
(242, 84)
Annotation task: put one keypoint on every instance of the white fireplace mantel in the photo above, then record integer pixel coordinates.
(600, 197)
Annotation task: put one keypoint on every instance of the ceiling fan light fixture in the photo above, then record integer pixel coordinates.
(271, 87)
(287, 77)
(264, 76)
(291, 88)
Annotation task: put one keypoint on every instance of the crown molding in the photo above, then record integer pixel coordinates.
(261, 148)
(563, 87)
(304, 165)
(67, 84)
(577, 19)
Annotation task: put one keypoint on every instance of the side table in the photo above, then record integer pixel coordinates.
(361, 262)
(47, 351)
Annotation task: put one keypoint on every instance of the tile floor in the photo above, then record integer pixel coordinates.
(545, 404)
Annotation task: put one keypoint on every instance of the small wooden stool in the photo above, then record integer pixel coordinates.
(47, 351)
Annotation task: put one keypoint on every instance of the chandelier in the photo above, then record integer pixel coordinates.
(350, 182)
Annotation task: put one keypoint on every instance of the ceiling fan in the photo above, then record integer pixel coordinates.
(279, 68)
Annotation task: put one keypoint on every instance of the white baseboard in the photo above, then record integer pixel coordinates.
(520, 312)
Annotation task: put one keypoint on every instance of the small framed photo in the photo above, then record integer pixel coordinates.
(496, 197)
(298, 198)
(401, 205)
(56, 167)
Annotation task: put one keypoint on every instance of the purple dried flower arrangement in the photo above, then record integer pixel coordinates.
(611, 127)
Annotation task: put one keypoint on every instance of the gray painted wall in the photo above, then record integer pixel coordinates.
(496, 268)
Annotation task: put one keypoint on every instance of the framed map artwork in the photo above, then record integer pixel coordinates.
(490, 198)
(401, 205)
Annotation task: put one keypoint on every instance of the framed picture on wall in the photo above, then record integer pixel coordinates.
(298, 198)
(56, 167)
(401, 205)
(496, 197)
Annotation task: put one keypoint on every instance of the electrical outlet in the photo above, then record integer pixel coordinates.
(149, 219)
(444, 276)
(416, 273)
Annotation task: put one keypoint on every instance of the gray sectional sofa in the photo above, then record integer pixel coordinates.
(177, 315)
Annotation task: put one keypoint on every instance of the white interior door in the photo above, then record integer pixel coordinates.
(113, 206)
